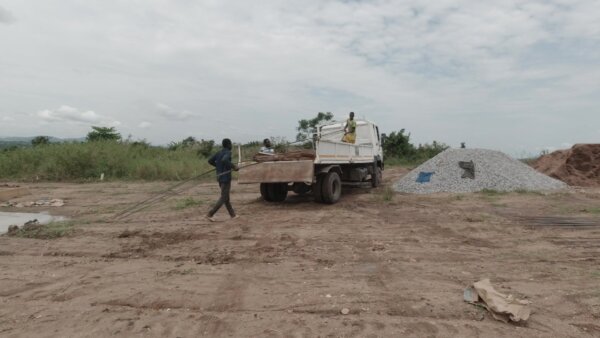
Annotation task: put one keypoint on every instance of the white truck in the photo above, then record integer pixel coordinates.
(335, 163)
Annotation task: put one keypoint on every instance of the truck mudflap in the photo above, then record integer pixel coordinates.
(278, 172)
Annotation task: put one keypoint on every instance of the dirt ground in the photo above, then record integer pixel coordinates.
(399, 263)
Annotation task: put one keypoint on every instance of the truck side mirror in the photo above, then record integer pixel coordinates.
(383, 137)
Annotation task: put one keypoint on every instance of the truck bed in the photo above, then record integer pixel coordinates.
(332, 152)
(277, 172)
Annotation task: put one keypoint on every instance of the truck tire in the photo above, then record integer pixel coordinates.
(377, 176)
(278, 192)
(317, 189)
(264, 192)
(332, 187)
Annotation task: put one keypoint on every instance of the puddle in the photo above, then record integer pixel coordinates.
(19, 218)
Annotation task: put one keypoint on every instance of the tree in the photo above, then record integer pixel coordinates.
(203, 147)
(397, 145)
(103, 134)
(308, 127)
(40, 140)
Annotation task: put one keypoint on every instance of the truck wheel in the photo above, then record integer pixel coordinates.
(278, 192)
(317, 189)
(332, 187)
(300, 188)
(264, 192)
(376, 177)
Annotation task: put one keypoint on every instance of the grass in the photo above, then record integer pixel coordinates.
(49, 231)
(491, 192)
(404, 162)
(596, 274)
(386, 194)
(87, 161)
(187, 202)
(529, 192)
(594, 210)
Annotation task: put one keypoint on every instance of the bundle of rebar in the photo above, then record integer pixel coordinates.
(295, 155)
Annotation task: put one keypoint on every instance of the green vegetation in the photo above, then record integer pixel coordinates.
(187, 202)
(203, 147)
(386, 194)
(48, 231)
(87, 161)
(103, 134)
(593, 210)
(529, 192)
(104, 151)
(306, 128)
(492, 192)
(398, 150)
(40, 140)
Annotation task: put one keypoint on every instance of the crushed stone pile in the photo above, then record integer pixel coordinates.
(578, 166)
(493, 170)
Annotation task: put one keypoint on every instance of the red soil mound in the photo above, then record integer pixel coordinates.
(578, 166)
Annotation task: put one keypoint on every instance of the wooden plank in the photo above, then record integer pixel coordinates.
(8, 194)
(276, 172)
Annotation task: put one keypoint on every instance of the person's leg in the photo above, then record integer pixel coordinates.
(226, 199)
(219, 203)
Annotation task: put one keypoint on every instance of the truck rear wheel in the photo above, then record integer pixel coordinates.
(332, 187)
(317, 189)
(264, 192)
(278, 192)
(376, 176)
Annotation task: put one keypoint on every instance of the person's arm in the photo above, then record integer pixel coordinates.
(227, 161)
(213, 160)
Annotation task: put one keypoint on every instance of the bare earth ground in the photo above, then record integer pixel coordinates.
(286, 270)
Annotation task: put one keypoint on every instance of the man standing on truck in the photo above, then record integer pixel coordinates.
(350, 130)
(224, 166)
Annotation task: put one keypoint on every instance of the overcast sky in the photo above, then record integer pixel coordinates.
(519, 76)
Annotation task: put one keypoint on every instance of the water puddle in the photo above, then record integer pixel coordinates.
(19, 218)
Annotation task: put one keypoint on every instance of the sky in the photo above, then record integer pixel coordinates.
(517, 76)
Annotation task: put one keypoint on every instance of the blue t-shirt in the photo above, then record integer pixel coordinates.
(222, 161)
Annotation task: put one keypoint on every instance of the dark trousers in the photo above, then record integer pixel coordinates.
(224, 199)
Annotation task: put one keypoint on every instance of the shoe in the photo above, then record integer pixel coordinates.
(211, 218)
(235, 217)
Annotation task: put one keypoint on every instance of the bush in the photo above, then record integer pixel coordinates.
(397, 149)
(87, 161)
(40, 231)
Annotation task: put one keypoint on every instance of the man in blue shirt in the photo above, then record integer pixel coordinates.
(222, 161)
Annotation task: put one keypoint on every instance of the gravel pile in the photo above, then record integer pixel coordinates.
(494, 170)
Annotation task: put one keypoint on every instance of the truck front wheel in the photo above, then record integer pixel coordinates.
(332, 187)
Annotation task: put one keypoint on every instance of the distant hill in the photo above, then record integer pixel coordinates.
(8, 142)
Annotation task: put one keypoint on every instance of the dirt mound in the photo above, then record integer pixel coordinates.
(578, 166)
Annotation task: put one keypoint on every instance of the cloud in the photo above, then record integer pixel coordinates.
(6, 119)
(171, 113)
(69, 114)
(459, 70)
(144, 125)
(6, 16)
